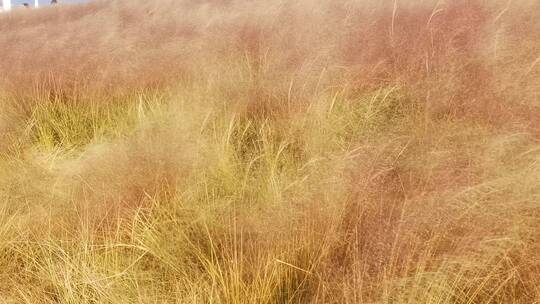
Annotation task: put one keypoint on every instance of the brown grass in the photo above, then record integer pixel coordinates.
(270, 152)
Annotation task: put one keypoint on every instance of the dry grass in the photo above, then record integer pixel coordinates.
(271, 152)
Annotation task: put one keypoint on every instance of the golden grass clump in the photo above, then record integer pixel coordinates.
(239, 151)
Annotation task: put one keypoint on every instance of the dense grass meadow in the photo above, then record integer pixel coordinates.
(306, 151)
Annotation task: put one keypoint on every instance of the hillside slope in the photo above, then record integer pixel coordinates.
(311, 151)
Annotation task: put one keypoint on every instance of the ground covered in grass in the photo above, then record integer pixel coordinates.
(271, 152)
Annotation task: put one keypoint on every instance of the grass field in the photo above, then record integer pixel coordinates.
(307, 151)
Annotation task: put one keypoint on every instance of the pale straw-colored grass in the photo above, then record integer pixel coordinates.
(270, 152)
